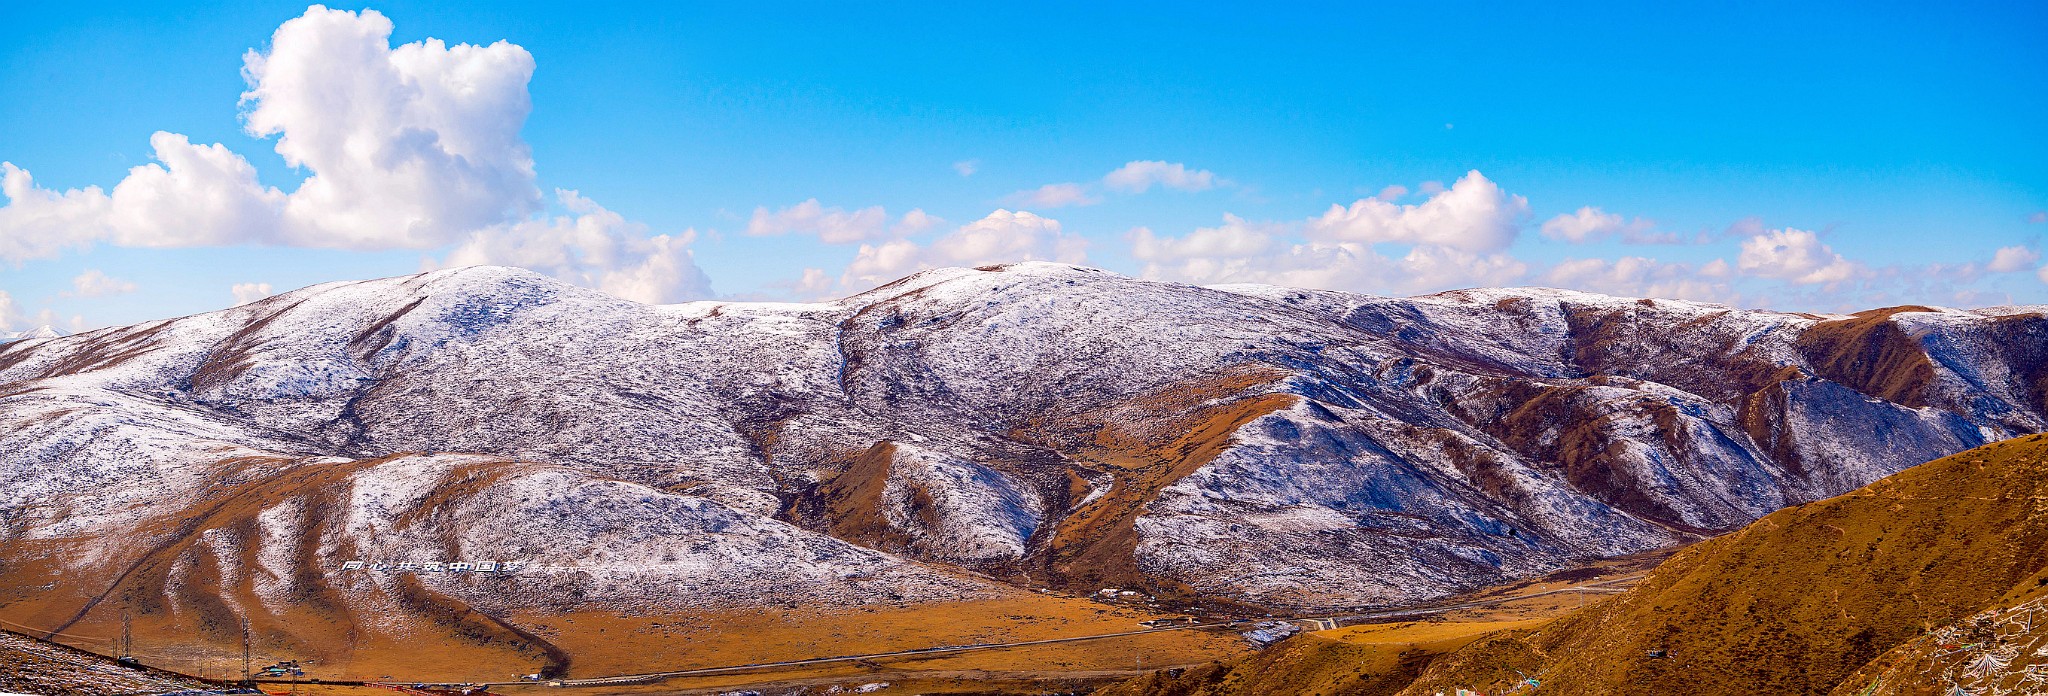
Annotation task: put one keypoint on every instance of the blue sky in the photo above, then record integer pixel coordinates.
(1814, 156)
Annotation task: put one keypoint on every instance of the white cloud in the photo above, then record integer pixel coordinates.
(1001, 237)
(1139, 176)
(1434, 267)
(595, 248)
(967, 168)
(1593, 224)
(1054, 196)
(880, 263)
(2012, 259)
(1007, 237)
(246, 293)
(1635, 276)
(2039, 217)
(1455, 237)
(1474, 215)
(1236, 251)
(1587, 224)
(405, 147)
(1239, 251)
(13, 320)
(1234, 239)
(833, 225)
(40, 223)
(96, 283)
(1747, 227)
(411, 146)
(815, 282)
(1793, 255)
(10, 315)
(915, 221)
(1136, 176)
(836, 225)
(1392, 193)
(194, 195)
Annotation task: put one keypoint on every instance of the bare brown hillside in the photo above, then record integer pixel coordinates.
(1798, 601)
(36, 667)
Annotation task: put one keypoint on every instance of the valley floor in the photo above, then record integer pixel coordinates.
(1029, 643)
(955, 647)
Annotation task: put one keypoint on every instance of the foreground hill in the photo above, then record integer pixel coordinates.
(1919, 583)
(929, 441)
(30, 666)
(1923, 583)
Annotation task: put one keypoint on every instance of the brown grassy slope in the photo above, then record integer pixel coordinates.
(189, 604)
(1308, 664)
(1997, 651)
(35, 667)
(1799, 600)
(1361, 660)
(188, 578)
(1871, 354)
(1142, 445)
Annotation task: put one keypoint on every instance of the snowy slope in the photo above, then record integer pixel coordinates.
(1039, 423)
(31, 334)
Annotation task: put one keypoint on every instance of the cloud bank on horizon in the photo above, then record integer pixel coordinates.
(418, 147)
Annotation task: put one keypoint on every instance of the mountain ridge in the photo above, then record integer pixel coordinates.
(955, 434)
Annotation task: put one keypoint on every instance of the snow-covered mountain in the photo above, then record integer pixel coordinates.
(1039, 424)
(45, 331)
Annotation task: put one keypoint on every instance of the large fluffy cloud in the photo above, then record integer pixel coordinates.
(410, 146)
(404, 147)
(39, 223)
(1473, 216)
(1001, 237)
(1454, 238)
(196, 195)
(1796, 256)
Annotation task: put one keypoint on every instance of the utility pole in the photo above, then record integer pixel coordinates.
(127, 638)
(247, 676)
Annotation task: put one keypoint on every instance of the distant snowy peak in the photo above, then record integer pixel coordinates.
(45, 331)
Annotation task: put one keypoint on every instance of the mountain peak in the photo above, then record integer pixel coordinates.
(40, 332)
